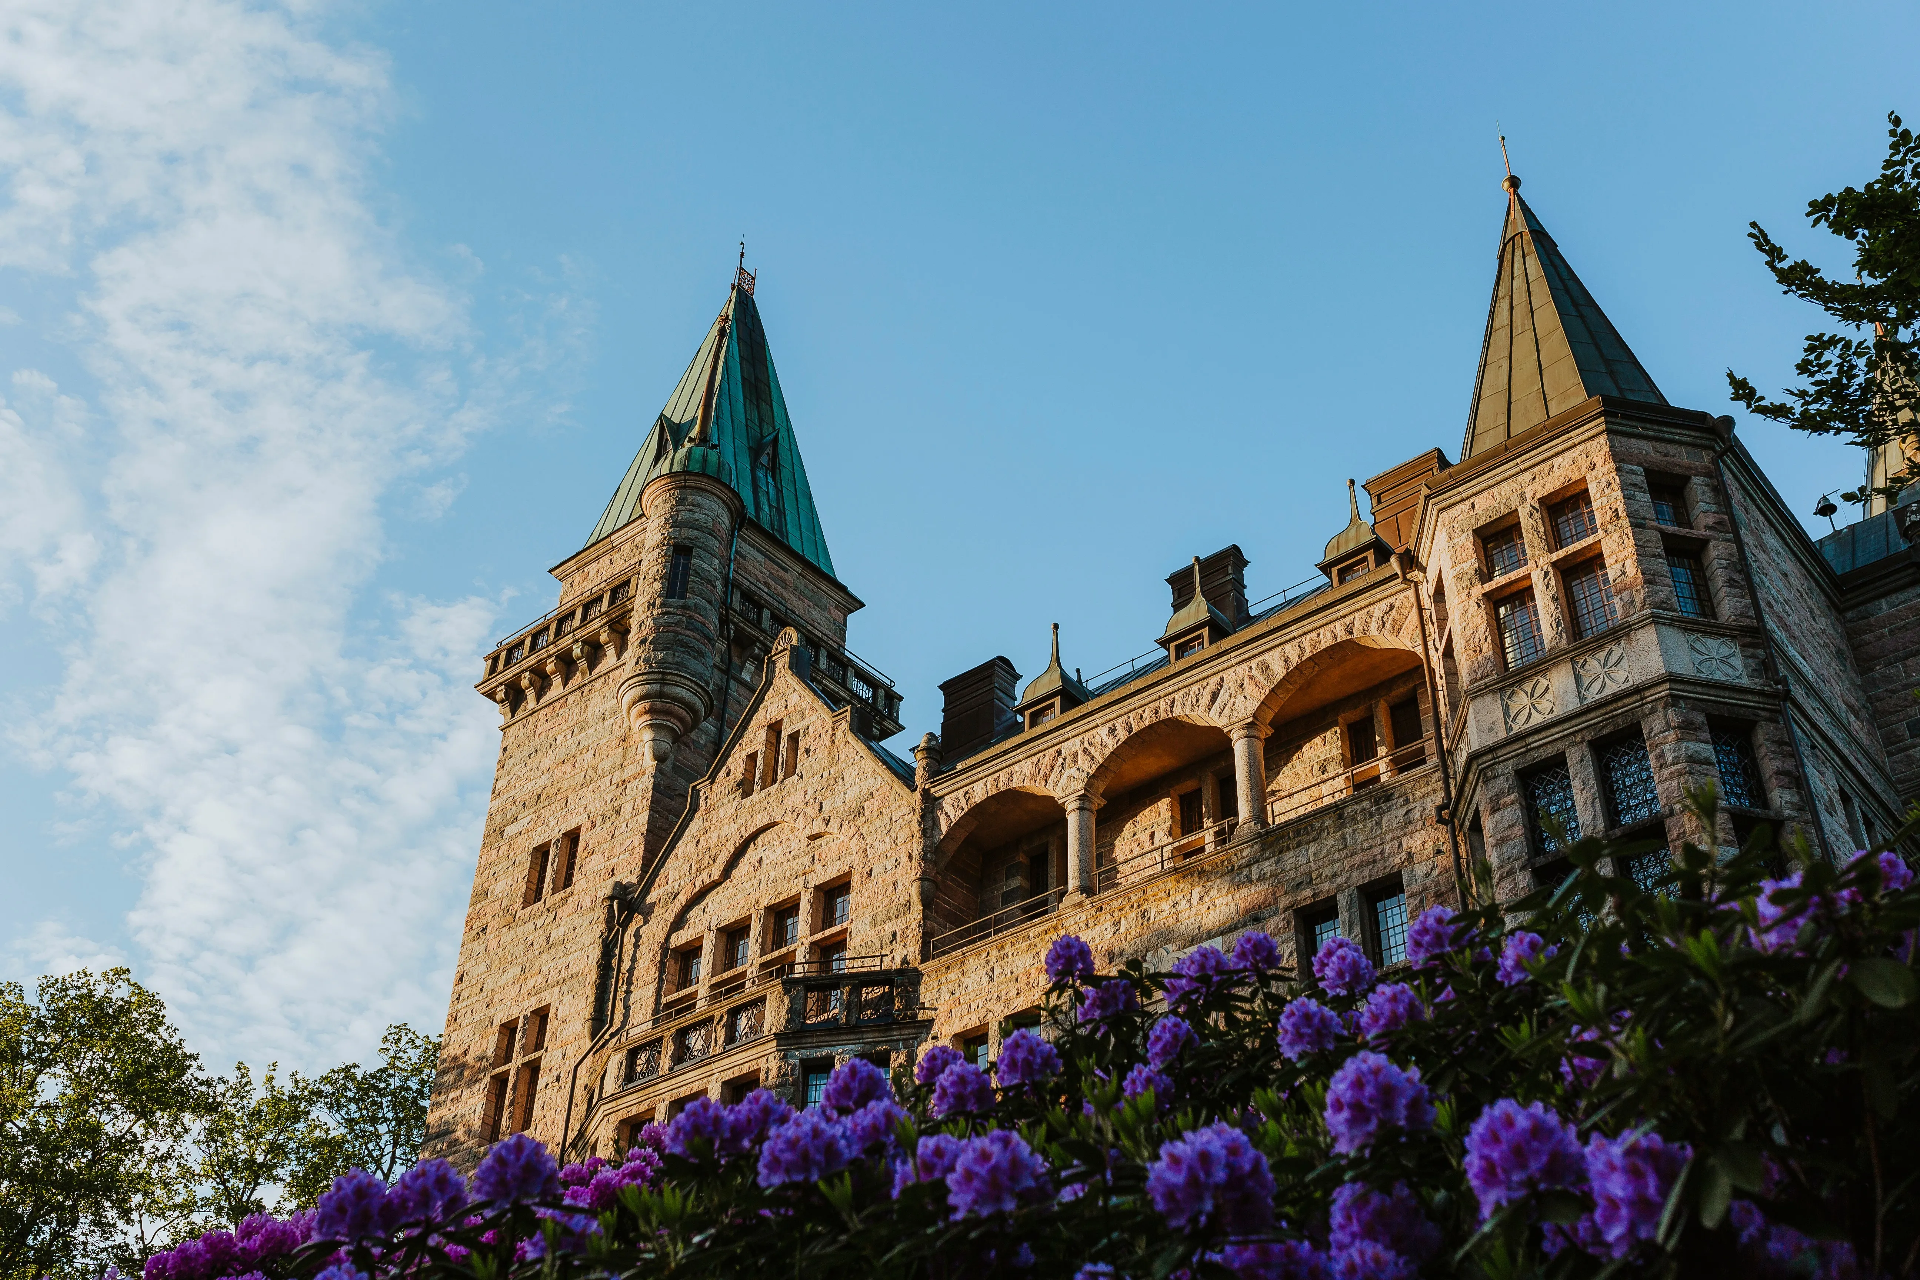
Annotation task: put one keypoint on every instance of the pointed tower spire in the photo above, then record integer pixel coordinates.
(728, 419)
(1548, 346)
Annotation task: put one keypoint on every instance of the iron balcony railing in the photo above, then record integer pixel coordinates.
(1340, 785)
(550, 627)
(1140, 664)
(1162, 856)
(1040, 904)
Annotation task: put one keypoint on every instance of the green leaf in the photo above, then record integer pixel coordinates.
(1561, 1206)
(1716, 1193)
(1887, 983)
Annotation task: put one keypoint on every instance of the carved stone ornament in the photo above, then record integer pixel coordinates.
(1716, 657)
(1527, 702)
(1598, 674)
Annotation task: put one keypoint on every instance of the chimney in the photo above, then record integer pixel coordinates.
(979, 707)
(1223, 581)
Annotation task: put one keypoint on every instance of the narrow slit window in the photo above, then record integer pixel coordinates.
(528, 1090)
(679, 573)
(1689, 584)
(494, 1118)
(770, 756)
(1627, 771)
(1190, 817)
(1590, 595)
(1519, 624)
(1573, 519)
(1549, 794)
(536, 876)
(749, 773)
(535, 1038)
(1229, 806)
(792, 764)
(566, 855)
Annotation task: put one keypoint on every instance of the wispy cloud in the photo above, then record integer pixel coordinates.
(296, 758)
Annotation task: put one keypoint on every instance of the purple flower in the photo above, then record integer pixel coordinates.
(853, 1084)
(1143, 1078)
(995, 1173)
(936, 1060)
(872, 1127)
(1776, 1251)
(1307, 1026)
(1393, 1222)
(516, 1171)
(962, 1090)
(1212, 1177)
(931, 1161)
(1096, 1271)
(1514, 1151)
(1895, 875)
(1342, 967)
(1369, 1261)
(341, 1271)
(352, 1209)
(1779, 923)
(1276, 1260)
(1432, 935)
(751, 1119)
(1197, 973)
(1390, 1008)
(806, 1148)
(1101, 1005)
(1026, 1059)
(700, 1130)
(1523, 950)
(600, 1194)
(1369, 1096)
(1168, 1039)
(1578, 1068)
(652, 1136)
(431, 1191)
(1069, 957)
(1630, 1177)
(1255, 952)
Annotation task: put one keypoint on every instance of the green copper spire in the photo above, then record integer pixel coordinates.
(1548, 345)
(728, 419)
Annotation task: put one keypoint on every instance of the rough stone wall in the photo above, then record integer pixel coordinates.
(1883, 628)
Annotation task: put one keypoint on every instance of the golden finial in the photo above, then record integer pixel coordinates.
(1511, 183)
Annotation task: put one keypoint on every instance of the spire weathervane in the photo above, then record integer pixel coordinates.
(1512, 184)
(743, 278)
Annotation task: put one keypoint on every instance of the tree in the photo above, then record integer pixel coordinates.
(251, 1142)
(377, 1117)
(1861, 382)
(97, 1092)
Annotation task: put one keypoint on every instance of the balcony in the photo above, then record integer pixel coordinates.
(990, 926)
(844, 678)
(1338, 786)
(547, 645)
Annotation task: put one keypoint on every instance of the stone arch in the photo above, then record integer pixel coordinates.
(1006, 853)
(1346, 666)
(1004, 814)
(1155, 748)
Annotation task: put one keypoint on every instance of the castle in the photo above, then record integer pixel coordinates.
(702, 872)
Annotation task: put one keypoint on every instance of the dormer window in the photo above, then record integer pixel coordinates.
(1041, 714)
(1187, 648)
(1351, 570)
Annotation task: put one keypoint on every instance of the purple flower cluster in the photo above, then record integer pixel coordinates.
(996, 1172)
(1393, 1222)
(962, 1090)
(1522, 951)
(807, 1148)
(515, 1172)
(1102, 1004)
(1196, 974)
(707, 1128)
(936, 1060)
(1581, 1068)
(931, 1161)
(1779, 922)
(1369, 1097)
(1366, 1260)
(1069, 957)
(1307, 1026)
(1514, 1151)
(1342, 967)
(1143, 1078)
(853, 1084)
(1212, 1177)
(1630, 1177)
(1774, 1251)
(257, 1240)
(1255, 952)
(351, 1210)
(1390, 1008)
(874, 1127)
(1168, 1039)
(599, 1191)
(1276, 1260)
(1026, 1059)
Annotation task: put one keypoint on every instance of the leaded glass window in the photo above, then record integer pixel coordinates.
(1573, 519)
(1390, 926)
(1506, 551)
(1549, 795)
(1627, 772)
(1519, 623)
(1690, 585)
(1591, 597)
(1325, 931)
(1669, 504)
(816, 1081)
(1733, 757)
(1650, 870)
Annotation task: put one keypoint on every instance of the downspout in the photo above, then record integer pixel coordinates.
(623, 916)
(1766, 632)
(1440, 746)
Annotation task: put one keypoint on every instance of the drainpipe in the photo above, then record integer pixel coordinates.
(1439, 739)
(1724, 425)
(726, 628)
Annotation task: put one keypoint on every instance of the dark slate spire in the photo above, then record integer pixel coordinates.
(1548, 345)
(728, 419)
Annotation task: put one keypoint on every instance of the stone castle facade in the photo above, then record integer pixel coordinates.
(703, 873)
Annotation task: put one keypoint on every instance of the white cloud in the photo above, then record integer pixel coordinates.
(50, 947)
(298, 761)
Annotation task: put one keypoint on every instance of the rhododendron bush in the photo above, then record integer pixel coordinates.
(1713, 1079)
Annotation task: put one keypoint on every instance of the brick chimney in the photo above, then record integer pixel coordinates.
(979, 707)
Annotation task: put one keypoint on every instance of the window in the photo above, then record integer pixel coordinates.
(1573, 519)
(1450, 673)
(1519, 625)
(1403, 718)
(836, 906)
(1362, 745)
(1590, 597)
(1190, 813)
(786, 926)
(692, 1043)
(1229, 797)
(1627, 772)
(1650, 871)
(1040, 715)
(536, 877)
(744, 1022)
(535, 1038)
(733, 950)
(1325, 931)
(792, 765)
(833, 958)
(766, 488)
(686, 968)
(566, 852)
(1187, 648)
(494, 1118)
(814, 1079)
(1733, 758)
(526, 1088)
(1669, 496)
(770, 756)
(973, 1049)
(503, 1039)
(736, 1090)
(1353, 569)
(1506, 552)
(679, 572)
(626, 1134)
(1689, 584)
(642, 1062)
(1549, 796)
(1313, 928)
(1390, 926)
(749, 772)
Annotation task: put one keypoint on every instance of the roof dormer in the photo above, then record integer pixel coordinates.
(1052, 693)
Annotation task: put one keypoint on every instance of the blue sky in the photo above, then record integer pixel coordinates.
(328, 329)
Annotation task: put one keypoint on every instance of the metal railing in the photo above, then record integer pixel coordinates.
(827, 968)
(1162, 857)
(1040, 904)
(549, 627)
(1340, 785)
(1258, 609)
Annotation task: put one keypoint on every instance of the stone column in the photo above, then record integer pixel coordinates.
(1250, 773)
(1080, 883)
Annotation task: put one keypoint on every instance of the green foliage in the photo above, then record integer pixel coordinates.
(1859, 382)
(373, 1119)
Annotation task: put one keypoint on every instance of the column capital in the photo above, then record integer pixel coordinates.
(1248, 729)
(1079, 801)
